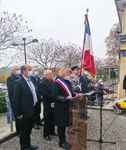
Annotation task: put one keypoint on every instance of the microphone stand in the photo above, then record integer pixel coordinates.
(100, 140)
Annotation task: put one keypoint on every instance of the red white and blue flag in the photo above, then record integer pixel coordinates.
(87, 54)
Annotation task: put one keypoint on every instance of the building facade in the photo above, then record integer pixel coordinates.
(121, 10)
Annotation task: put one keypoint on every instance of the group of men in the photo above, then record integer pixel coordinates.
(26, 91)
(25, 100)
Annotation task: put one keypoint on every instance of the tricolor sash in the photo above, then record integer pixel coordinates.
(64, 86)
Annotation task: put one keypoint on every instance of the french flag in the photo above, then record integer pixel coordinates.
(87, 53)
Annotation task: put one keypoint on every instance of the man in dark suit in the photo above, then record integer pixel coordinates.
(46, 88)
(33, 74)
(84, 83)
(10, 87)
(25, 99)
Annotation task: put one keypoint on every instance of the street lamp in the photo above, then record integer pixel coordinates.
(24, 44)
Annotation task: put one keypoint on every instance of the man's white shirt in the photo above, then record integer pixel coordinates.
(32, 88)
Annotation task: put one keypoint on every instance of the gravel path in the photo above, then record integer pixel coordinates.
(37, 139)
(116, 132)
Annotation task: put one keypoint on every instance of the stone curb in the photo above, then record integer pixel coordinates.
(8, 137)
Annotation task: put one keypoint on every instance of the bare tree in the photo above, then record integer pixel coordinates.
(100, 62)
(45, 53)
(53, 54)
(71, 54)
(110, 42)
(12, 27)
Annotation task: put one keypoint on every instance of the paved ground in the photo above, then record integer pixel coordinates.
(37, 139)
(5, 128)
(116, 132)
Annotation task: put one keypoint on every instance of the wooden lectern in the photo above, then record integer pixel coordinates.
(77, 132)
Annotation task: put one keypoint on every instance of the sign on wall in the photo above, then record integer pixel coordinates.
(124, 53)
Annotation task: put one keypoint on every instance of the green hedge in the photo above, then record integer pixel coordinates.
(2, 102)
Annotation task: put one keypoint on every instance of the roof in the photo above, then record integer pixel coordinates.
(119, 6)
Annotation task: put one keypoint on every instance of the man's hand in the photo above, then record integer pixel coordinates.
(79, 96)
(20, 117)
(52, 105)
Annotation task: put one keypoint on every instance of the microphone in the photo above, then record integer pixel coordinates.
(103, 88)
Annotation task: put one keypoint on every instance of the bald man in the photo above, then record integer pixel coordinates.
(46, 87)
(10, 87)
(25, 100)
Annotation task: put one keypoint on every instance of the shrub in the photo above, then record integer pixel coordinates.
(2, 102)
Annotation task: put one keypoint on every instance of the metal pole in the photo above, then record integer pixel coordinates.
(24, 39)
(11, 118)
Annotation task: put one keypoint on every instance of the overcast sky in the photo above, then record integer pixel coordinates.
(64, 19)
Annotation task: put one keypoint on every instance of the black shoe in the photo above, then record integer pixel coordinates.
(29, 147)
(36, 126)
(68, 144)
(64, 145)
(32, 147)
(47, 138)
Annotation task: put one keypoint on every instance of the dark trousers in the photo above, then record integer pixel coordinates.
(17, 123)
(84, 88)
(48, 126)
(26, 125)
(61, 134)
(37, 113)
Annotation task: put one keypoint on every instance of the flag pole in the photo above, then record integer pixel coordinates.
(87, 10)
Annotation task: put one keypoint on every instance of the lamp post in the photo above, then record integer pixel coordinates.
(24, 45)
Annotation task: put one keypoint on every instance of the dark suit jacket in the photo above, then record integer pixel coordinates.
(10, 87)
(84, 84)
(23, 99)
(46, 91)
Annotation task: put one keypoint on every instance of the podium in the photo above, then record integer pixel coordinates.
(77, 132)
